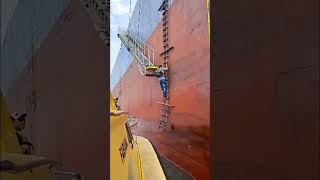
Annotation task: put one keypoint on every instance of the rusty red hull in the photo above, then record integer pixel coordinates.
(188, 143)
(266, 91)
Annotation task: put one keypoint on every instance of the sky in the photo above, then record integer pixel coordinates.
(120, 11)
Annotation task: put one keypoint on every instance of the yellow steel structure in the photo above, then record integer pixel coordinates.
(208, 7)
(131, 157)
(9, 142)
(152, 68)
(27, 167)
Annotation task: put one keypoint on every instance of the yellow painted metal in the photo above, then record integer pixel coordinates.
(152, 68)
(11, 151)
(208, 7)
(140, 161)
(139, 157)
(151, 167)
(119, 169)
(9, 140)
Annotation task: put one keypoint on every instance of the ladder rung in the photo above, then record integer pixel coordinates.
(164, 29)
(164, 12)
(164, 117)
(163, 126)
(166, 51)
(164, 62)
(163, 122)
(164, 17)
(166, 39)
(165, 22)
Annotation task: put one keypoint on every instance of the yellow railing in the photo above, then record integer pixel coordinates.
(208, 7)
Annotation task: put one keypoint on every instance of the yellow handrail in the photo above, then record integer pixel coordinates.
(208, 7)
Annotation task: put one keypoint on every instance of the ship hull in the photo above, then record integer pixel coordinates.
(187, 142)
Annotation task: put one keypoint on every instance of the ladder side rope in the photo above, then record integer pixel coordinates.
(165, 24)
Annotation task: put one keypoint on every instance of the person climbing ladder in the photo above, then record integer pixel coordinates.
(162, 79)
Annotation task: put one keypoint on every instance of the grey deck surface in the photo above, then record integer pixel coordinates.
(172, 172)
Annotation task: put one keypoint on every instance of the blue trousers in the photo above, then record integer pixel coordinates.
(163, 85)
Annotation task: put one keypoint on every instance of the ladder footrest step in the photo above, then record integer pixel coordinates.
(165, 104)
(163, 124)
(163, 120)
